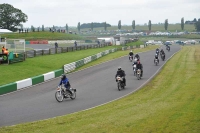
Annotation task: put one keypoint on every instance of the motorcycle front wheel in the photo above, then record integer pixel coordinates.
(59, 96)
(119, 86)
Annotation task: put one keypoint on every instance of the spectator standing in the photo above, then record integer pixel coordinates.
(98, 42)
(75, 44)
(3, 49)
(56, 45)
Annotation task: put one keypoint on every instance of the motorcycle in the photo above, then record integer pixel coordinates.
(131, 58)
(120, 83)
(168, 49)
(138, 74)
(62, 94)
(134, 69)
(163, 57)
(156, 62)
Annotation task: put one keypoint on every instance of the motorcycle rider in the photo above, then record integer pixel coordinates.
(139, 66)
(156, 57)
(65, 81)
(157, 51)
(168, 47)
(131, 54)
(134, 63)
(137, 56)
(162, 53)
(122, 74)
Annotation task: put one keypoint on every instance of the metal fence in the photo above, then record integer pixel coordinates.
(35, 53)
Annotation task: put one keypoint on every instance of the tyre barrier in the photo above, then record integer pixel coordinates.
(72, 66)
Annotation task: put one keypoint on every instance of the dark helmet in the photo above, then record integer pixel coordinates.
(119, 68)
(63, 76)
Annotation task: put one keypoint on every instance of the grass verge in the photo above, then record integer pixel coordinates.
(169, 103)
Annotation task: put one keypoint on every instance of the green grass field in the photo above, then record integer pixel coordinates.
(42, 64)
(169, 103)
(42, 36)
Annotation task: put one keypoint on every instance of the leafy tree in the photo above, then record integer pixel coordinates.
(53, 28)
(182, 23)
(105, 26)
(197, 25)
(11, 17)
(166, 24)
(119, 25)
(92, 26)
(67, 30)
(32, 28)
(42, 27)
(95, 25)
(133, 24)
(195, 20)
(149, 25)
(79, 26)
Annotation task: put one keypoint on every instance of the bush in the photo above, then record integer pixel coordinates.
(88, 41)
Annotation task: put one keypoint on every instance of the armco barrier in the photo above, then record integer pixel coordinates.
(24, 83)
(49, 75)
(37, 79)
(8, 88)
(58, 72)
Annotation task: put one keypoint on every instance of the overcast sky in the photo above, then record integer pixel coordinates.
(62, 12)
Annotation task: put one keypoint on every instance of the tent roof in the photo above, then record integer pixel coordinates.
(5, 31)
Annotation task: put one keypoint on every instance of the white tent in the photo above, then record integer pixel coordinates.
(5, 31)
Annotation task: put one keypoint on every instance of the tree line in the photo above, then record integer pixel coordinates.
(11, 19)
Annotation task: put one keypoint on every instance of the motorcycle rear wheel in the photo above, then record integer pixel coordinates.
(59, 97)
(138, 76)
(73, 96)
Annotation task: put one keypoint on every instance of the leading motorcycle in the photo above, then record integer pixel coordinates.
(62, 93)
(120, 83)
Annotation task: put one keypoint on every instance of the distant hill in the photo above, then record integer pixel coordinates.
(95, 25)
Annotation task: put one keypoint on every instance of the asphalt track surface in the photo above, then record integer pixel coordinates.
(95, 86)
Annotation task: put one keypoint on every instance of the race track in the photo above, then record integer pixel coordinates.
(95, 86)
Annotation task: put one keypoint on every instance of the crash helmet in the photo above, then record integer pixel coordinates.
(119, 68)
(63, 76)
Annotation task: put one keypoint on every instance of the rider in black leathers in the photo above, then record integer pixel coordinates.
(130, 54)
(139, 66)
(122, 74)
(162, 53)
(137, 56)
(167, 46)
(156, 57)
(157, 51)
